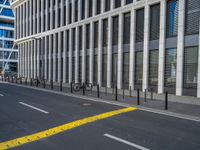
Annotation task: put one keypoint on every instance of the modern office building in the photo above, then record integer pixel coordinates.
(8, 50)
(126, 43)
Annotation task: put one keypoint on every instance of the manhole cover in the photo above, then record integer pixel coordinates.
(86, 104)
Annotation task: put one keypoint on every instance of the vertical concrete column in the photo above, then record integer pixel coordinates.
(27, 18)
(45, 57)
(19, 61)
(50, 57)
(70, 55)
(198, 76)
(79, 9)
(35, 59)
(86, 8)
(109, 59)
(100, 52)
(54, 57)
(77, 56)
(73, 11)
(25, 58)
(84, 54)
(22, 58)
(59, 57)
(64, 56)
(120, 52)
(56, 13)
(42, 15)
(38, 16)
(62, 13)
(112, 5)
(146, 48)
(161, 69)
(67, 12)
(91, 52)
(94, 10)
(180, 48)
(123, 2)
(38, 57)
(34, 16)
(31, 18)
(24, 20)
(18, 21)
(132, 49)
(47, 14)
(51, 14)
(21, 21)
(103, 6)
(31, 49)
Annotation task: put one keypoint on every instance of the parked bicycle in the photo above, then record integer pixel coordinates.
(79, 86)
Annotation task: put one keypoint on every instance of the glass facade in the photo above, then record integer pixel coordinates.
(138, 67)
(170, 67)
(172, 18)
(153, 67)
(190, 67)
(8, 50)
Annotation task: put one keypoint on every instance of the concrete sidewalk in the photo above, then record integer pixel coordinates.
(155, 104)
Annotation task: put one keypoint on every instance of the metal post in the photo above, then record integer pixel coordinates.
(113, 89)
(71, 88)
(130, 91)
(116, 93)
(138, 96)
(37, 82)
(166, 100)
(31, 82)
(145, 95)
(60, 85)
(151, 93)
(106, 90)
(25, 81)
(83, 88)
(98, 90)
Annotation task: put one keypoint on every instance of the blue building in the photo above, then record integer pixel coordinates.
(8, 50)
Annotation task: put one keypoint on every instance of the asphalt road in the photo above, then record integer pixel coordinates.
(26, 111)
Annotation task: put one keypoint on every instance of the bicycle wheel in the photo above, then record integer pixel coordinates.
(76, 87)
(88, 86)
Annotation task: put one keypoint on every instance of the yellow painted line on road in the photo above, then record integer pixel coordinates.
(62, 128)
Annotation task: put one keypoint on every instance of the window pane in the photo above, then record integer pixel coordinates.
(192, 16)
(190, 67)
(172, 18)
(126, 32)
(126, 69)
(117, 3)
(138, 67)
(170, 67)
(104, 75)
(154, 22)
(153, 67)
(115, 30)
(114, 68)
(140, 25)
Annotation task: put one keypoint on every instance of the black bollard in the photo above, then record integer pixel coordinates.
(116, 93)
(145, 95)
(60, 85)
(106, 90)
(83, 88)
(37, 82)
(31, 82)
(138, 96)
(130, 91)
(71, 88)
(151, 93)
(98, 90)
(166, 100)
(25, 81)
